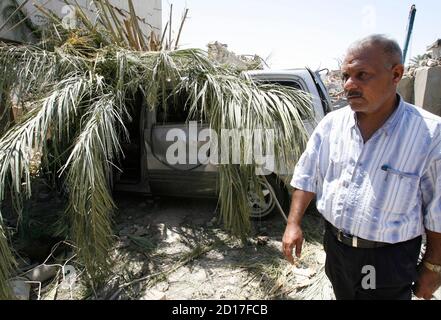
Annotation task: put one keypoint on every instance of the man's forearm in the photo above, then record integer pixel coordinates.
(433, 248)
(299, 202)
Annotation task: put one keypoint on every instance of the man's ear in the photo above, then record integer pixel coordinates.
(397, 73)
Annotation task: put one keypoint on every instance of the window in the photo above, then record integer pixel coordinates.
(175, 110)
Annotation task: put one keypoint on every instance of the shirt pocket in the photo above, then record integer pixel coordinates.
(397, 191)
(337, 159)
(335, 166)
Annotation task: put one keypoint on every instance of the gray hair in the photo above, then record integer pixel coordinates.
(390, 47)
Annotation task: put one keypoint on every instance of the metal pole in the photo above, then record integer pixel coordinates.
(409, 31)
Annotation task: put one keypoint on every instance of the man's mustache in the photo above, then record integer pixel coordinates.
(354, 94)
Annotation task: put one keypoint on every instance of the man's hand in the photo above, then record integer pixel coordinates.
(428, 282)
(292, 238)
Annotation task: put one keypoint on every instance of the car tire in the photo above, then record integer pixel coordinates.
(269, 208)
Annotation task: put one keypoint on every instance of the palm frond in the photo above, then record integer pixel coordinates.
(7, 263)
(88, 181)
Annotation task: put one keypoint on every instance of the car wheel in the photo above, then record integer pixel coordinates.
(267, 208)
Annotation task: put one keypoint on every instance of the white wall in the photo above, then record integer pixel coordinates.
(149, 11)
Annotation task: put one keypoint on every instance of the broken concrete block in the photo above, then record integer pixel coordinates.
(427, 89)
(432, 63)
(42, 273)
(20, 288)
(405, 88)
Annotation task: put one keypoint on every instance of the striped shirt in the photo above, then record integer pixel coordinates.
(387, 189)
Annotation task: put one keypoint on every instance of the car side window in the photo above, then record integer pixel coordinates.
(291, 84)
(173, 109)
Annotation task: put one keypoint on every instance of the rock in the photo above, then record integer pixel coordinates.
(307, 272)
(432, 63)
(42, 273)
(199, 276)
(153, 294)
(262, 240)
(321, 257)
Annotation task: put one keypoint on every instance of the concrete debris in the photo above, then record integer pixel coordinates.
(262, 240)
(20, 288)
(42, 273)
(435, 49)
(153, 294)
(433, 63)
(303, 272)
(425, 60)
(334, 85)
(219, 52)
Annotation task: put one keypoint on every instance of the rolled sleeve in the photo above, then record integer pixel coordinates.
(431, 193)
(306, 173)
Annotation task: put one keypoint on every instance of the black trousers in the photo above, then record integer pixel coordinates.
(385, 273)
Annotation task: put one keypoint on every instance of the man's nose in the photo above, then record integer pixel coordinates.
(350, 84)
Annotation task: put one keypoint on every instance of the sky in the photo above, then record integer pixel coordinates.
(297, 33)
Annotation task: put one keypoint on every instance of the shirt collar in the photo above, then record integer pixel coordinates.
(390, 123)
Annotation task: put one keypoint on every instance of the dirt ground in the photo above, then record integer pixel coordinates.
(170, 248)
(179, 245)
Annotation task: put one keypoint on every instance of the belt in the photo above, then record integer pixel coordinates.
(354, 241)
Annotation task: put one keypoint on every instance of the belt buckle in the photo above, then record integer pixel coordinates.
(354, 241)
(339, 235)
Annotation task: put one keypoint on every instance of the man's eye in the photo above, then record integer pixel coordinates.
(362, 75)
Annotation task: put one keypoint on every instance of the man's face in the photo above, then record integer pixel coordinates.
(369, 79)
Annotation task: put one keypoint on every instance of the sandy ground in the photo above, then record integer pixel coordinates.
(194, 259)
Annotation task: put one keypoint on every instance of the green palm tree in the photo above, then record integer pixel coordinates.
(75, 89)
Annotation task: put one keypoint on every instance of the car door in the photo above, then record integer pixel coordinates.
(173, 145)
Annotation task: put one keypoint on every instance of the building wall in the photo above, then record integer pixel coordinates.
(149, 12)
(7, 31)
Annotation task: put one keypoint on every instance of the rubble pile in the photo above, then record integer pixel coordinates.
(425, 61)
(334, 85)
(219, 52)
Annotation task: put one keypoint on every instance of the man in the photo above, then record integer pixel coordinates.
(375, 169)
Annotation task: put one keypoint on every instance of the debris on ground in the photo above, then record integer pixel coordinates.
(177, 250)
